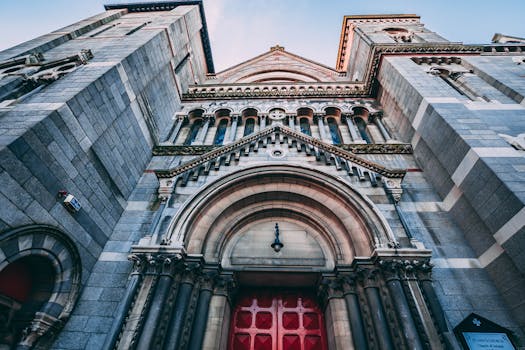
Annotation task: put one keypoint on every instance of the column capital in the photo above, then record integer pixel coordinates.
(391, 269)
(330, 288)
(369, 276)
(225, 285)
(207, 279)
(378, 114)
(189, 272)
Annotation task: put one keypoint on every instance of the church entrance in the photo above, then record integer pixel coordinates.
(277, 320)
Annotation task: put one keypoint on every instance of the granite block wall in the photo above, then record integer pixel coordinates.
(475, 171)
(91, 133)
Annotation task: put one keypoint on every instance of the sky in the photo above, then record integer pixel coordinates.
(242, 29)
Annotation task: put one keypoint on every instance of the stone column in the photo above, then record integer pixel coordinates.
(188, 273)
(321, 127)
(391, 270)
(139, 262)
(354, 312)
(218, 326)
(201, 137)
(176, 129)
(371, 285)
(291, 121)
(200, 319)
(233, 127)
(262, 121)
(424, 274)
(384, 132)
(339, 334)
(354, 133)
(165, 267)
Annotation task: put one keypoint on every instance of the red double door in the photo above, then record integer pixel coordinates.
(270, 320)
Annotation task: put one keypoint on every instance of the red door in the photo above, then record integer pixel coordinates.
(268, 320)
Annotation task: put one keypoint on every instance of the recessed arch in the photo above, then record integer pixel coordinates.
(345, 223)
(276, 75)
(59, 260)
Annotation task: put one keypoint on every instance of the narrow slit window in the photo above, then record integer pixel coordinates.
(221, 132)
(193, 132)
(304, 124)
(249, 127)
(334, 131)
(361, 126)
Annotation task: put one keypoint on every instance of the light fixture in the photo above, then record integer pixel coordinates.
(277, 245)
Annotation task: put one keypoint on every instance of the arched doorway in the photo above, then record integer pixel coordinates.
(338, 250)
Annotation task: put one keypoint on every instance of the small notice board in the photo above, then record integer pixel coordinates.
(478, 333)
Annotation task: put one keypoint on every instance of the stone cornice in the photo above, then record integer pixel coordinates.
(378, 51)
(279, 129)
(275, 90)
(362, 89)
(357, 148)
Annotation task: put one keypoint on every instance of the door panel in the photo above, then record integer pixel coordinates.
(277, 320)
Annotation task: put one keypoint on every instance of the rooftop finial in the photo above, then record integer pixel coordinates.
(277, 48)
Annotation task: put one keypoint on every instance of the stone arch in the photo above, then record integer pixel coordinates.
(346, 223)
(50, 244)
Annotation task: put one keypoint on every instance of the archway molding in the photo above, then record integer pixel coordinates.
(346, 223)
(59, 250)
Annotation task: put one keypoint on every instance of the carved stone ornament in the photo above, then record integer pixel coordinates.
(277, 114)
(41, 325)
(166, 188)
(517, 142)
(393, 188)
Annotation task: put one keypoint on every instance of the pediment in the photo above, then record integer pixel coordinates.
(276, 134)
(277, 66)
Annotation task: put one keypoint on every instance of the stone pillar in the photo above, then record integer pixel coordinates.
(233, 127)
(321, 127)
(354, 312)
(165, 267)
(391, 270)
(176, 129)
(188, 273)
(354, 133)
(339, 334)
(291, 121)
(262, 121)
(424, 274)
(384, 132)
(218, 326)
(122, 311)
(201, 137)
(200, 318)
(370, 282)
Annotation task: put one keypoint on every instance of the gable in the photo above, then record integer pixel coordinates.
(277, 66)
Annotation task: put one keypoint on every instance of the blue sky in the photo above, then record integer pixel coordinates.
(241, 29)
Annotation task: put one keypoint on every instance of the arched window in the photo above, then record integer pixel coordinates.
(193, 132)
(304, 124)
(249, 126)
(334, 131)
(361, 126)
(221, 131)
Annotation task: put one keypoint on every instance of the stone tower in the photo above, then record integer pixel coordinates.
(149, 202)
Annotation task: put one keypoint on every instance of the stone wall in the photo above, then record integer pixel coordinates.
(478, 175)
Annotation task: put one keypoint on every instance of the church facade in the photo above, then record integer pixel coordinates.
(149, 202)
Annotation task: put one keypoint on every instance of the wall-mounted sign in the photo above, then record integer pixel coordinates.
(478, 333)
(488, 341)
